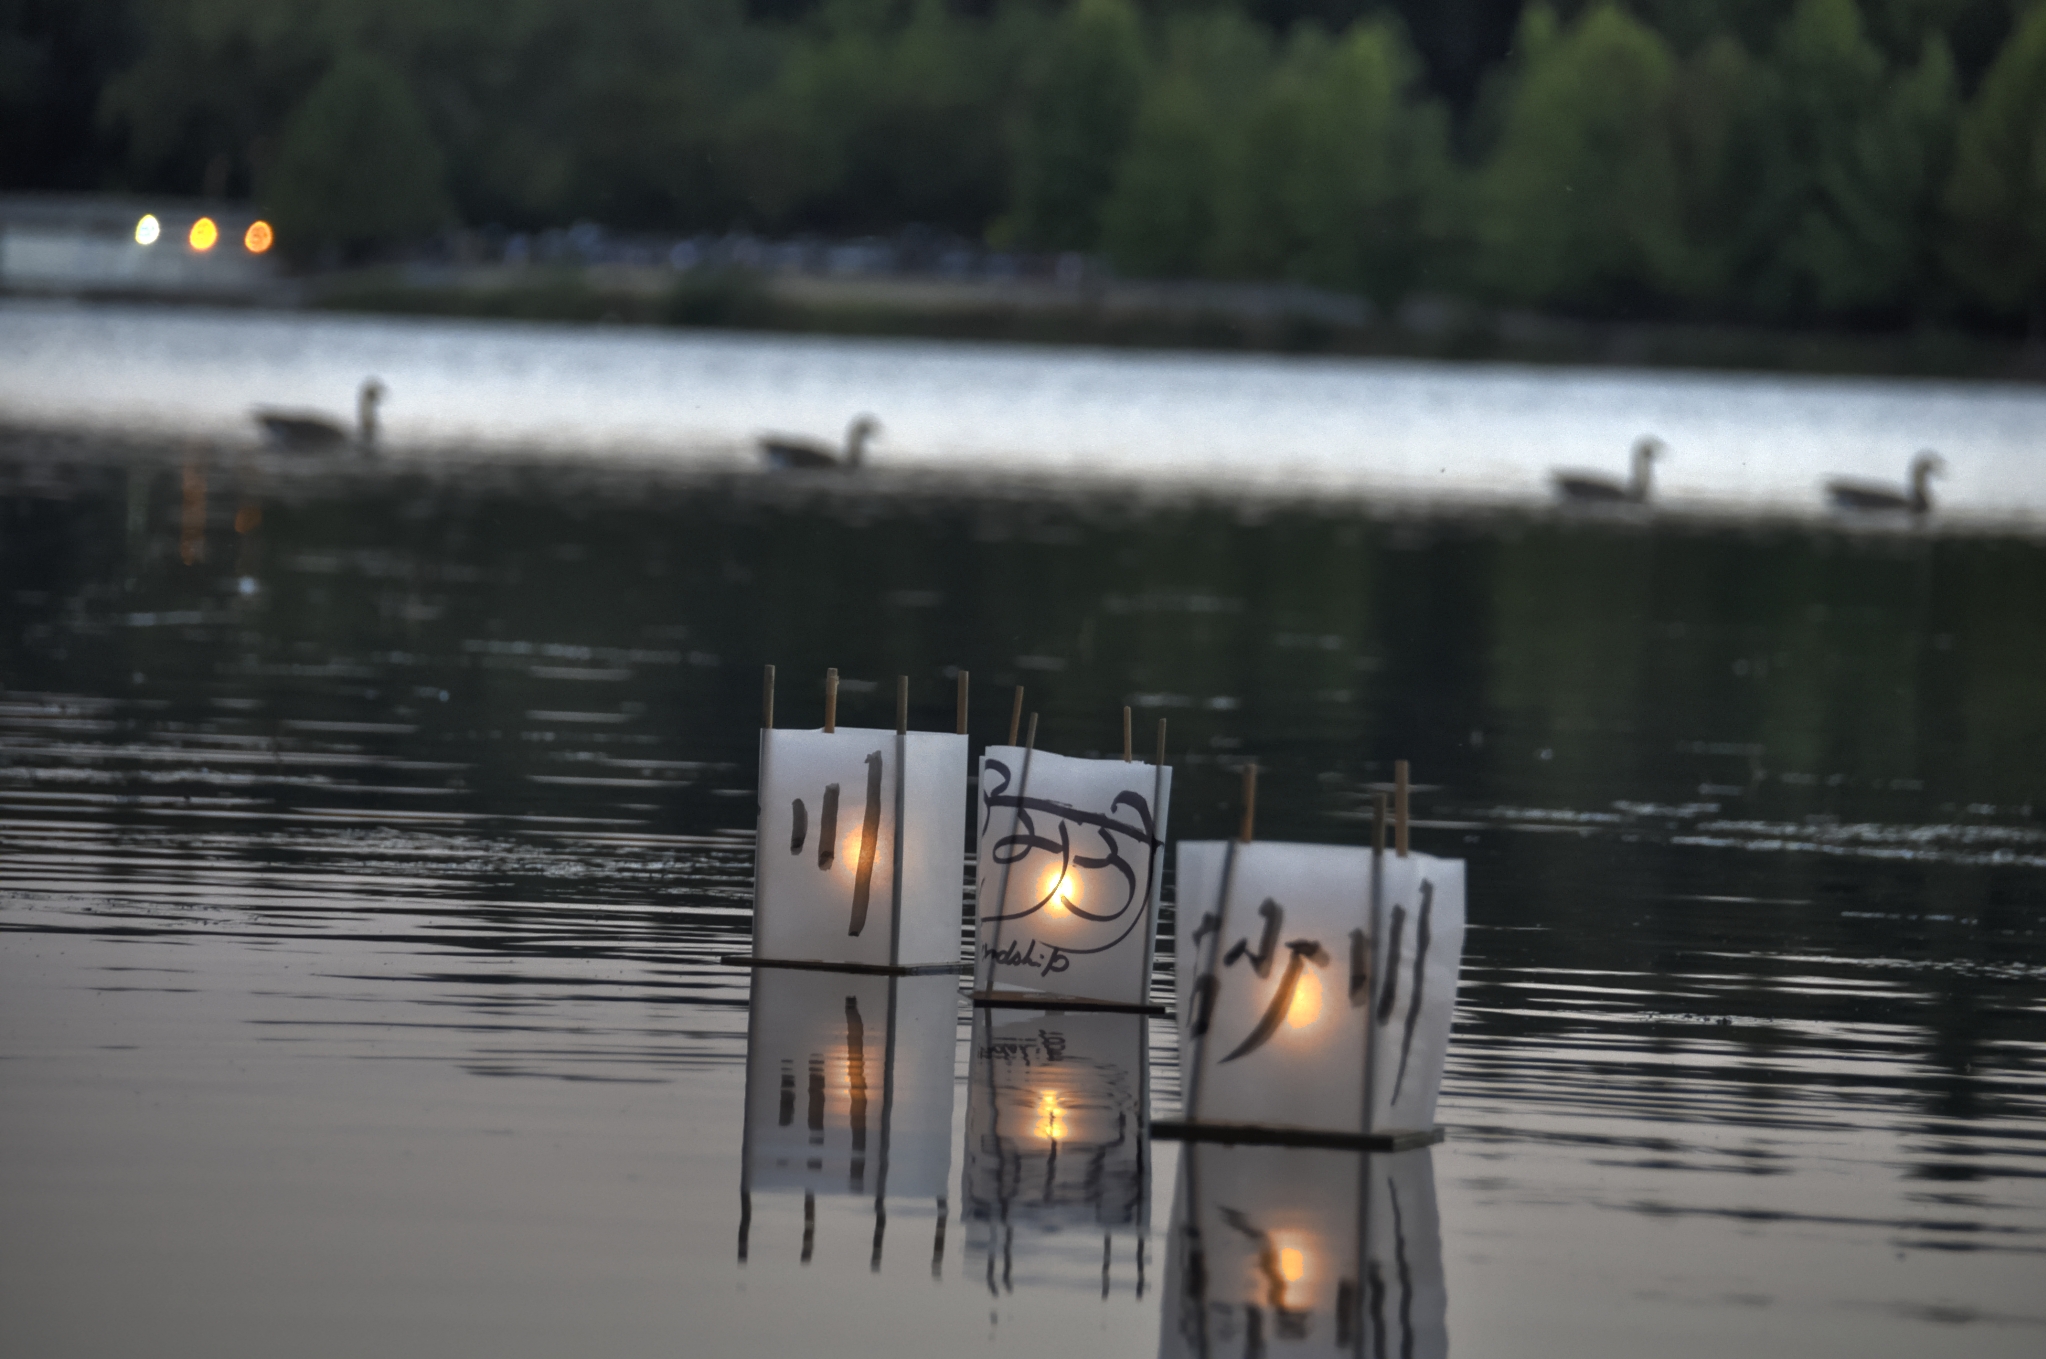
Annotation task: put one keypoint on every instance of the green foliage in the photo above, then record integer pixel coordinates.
(1331, 178)
(1581, 200)
(357, 165)
(1859, 161)
(1077, 111)
(1852, 179)
(1998, 192)
(872, 123)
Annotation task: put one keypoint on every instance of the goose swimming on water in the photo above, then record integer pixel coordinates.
(1862, 495)
(787, 452)
(1591, 488)
(308, 431)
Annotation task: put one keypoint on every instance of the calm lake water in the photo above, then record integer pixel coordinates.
(370, 831)
(1437, 430)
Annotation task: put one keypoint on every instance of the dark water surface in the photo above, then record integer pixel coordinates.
(369, 834)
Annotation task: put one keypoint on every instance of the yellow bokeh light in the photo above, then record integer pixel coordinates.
(148, 229)
(205, 234)
(1306, 1006)
(259, 237)
(1292, 1264)
(1051, 1119)
(1061, 887)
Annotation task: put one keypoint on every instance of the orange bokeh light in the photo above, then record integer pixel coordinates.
(205, 234)
(259, 237)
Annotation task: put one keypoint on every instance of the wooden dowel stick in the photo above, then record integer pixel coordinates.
(1378, 823)
(1016, 716)
(1030, 742)
(963, 677)
(767, 699)
(831, 700)
(1161, 743)
(1249, 801)
(902, 705)
(1127, 756)
(1399, 807)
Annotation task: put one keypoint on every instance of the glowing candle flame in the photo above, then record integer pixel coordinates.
(1058, 889)
(1306, 1006)
(1292, 1264)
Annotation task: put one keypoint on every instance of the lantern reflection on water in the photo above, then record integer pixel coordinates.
(1069, 858)
(1057, 1135)
(1316, 985)
(848, 1091)
(857, 858)
(1304, 1251)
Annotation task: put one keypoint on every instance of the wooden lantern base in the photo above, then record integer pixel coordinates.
(1046, 1000)
(866, 969)
(1257, 1135)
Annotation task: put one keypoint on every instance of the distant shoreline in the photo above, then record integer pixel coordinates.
(1189, 316)
(1253, 318)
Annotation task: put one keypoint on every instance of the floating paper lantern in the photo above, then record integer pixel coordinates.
(857, 860)
(1316, 985)
(1070, 852)
(848, 1089)
(1304, 1251)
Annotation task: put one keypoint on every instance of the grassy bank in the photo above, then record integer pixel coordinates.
(1141, 315)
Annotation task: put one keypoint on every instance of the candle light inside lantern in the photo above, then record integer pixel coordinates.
(1306, 1005)
(1058, 889)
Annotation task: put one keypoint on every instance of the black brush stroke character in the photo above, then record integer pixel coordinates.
(1304, 951)
(1421, 937)
(827, 827)
(1392, 964)
(1274, 916)
(870, 831)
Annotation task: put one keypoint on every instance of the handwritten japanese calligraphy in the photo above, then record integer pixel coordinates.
(827, 838)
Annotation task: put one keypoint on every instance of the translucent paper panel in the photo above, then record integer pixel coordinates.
(1420, 914)
(1057, 1122)
(833, 880)
(1274, 1013)
(1068, 857)
(1304, 1252)
(849, 1083)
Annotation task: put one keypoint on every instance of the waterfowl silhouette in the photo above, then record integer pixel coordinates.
(789, 452)
(1862, 495)
(1590, 488)
(311, 431)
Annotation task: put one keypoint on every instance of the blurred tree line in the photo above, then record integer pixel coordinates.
(1865, 162)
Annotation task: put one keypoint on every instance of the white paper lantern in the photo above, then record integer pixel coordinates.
(1070, 852)
(858, 860)
(848, 1087)
(1316, 984)
(1304, 1251)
